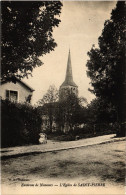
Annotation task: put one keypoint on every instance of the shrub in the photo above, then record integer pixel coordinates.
(20, 124)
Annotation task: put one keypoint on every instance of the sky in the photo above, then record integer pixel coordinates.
(81, 24)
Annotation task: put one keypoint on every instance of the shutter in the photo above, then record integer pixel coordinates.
(7, 94)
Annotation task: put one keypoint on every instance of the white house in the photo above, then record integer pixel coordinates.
(18, 91)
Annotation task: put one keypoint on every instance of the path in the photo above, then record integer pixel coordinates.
(56, 146)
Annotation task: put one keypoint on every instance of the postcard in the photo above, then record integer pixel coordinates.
(62, 98)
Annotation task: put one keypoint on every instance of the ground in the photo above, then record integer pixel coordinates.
(102, 163)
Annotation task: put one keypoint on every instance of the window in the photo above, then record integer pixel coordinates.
(12, 95)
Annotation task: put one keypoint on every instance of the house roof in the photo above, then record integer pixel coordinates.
(20, 81)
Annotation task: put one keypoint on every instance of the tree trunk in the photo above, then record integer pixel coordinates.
(122, 106)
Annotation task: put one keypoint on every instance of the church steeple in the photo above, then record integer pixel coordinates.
(68, 86)
(69, 76)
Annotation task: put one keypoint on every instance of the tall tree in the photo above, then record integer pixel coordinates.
(48, 104)
(106, 66)
(27, 34)
(51, 96)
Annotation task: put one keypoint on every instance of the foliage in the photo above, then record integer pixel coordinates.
(70, 111)
(106, 66)
(86, 131)
(51, 96)
(20, 124)
(99, 113)
(48, 104)
(27, 29)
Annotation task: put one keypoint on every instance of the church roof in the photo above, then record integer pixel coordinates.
(69, 77)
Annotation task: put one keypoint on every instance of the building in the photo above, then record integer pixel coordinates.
(68, 86)
(48, 110)
(17, 91)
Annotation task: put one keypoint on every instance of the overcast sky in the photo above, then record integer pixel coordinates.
(81, 25)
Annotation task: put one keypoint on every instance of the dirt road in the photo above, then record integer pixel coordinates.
(101, 164)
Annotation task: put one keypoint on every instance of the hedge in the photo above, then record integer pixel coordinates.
(20, 124)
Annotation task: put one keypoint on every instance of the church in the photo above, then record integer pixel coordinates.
(68, 86)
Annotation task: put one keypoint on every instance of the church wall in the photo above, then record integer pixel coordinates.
(65, 90)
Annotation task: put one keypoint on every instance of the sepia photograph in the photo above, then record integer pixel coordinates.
(63, 97)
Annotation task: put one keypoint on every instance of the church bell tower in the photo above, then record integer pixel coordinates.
(68, 86)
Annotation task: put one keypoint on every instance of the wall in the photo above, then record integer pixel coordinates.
(64, 90)
(23, 92)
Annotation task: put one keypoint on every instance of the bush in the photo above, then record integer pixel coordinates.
(20, 124)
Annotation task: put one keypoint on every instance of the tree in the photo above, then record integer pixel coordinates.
(70, 112)
(106, 66)
(48, 104)
(27, 29)
(100, 116)
(51, 96)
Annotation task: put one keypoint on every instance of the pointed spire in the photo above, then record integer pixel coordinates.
(69, 75)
